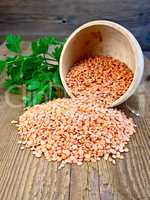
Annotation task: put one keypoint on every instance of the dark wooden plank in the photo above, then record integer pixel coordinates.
(34, 18)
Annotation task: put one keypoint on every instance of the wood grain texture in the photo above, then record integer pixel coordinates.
(33, 18)
(24, 177)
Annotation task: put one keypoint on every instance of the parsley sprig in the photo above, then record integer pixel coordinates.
(37, 73)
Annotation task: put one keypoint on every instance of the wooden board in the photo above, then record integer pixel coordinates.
(24, 177)
(33, 18)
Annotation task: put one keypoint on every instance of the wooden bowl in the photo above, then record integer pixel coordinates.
(103, 38)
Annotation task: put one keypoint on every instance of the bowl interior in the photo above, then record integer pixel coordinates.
(103, 38)
(99, 40)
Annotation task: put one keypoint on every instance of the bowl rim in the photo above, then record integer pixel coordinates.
(139, 58)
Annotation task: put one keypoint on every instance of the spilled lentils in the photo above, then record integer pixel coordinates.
(103, 77)
(75, 130)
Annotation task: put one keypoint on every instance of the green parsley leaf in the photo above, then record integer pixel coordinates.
(53, 41)
(2, 65)
(40, 46)
(11, 59)
(38, 98)
(15, 90)
(44, 76)
(48, 91)
(39, 95)
(13, 43)
(16, 73)
(56, 78)
(8, 82)
(27, 100)
(33, 85)
(57, 52)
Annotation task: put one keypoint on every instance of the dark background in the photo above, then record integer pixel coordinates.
(35, 18)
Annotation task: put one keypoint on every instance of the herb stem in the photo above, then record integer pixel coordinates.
(50, 59)
(21, 59)
(45, 58)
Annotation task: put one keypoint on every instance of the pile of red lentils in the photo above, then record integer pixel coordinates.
(82, 128)
(104, 77)
(75, 130)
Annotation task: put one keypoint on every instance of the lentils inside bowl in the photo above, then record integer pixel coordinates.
(103, 77)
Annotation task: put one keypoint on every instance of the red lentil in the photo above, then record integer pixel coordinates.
(103, 77)
(75, 130)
